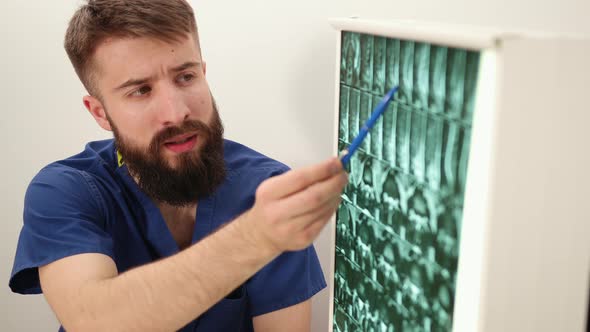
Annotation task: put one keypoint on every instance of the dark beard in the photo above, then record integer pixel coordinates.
(197, 173)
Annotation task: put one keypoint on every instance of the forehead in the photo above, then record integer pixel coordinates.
(117, 58)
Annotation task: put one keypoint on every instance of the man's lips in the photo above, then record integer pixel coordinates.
(180, 138)
(181, 143)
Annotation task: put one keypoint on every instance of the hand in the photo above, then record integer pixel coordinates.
(291, 209)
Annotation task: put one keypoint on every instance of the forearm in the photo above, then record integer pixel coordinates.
(170, 293)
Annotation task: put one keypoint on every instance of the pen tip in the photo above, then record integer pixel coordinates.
(392, 93)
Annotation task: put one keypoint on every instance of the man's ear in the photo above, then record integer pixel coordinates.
(204, 68)
(96, 109)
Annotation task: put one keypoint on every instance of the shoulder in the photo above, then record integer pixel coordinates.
(74, 179)
(98, 159)
(241, 161)
(246, 170)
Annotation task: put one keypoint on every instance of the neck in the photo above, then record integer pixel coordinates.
(177, 211)
(167, 209)
(180, 222)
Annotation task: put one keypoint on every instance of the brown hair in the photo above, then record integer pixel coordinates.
(167, 20)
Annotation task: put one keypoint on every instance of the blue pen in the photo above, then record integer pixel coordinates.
(368, 125)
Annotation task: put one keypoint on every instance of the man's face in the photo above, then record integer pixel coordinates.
(156, 100)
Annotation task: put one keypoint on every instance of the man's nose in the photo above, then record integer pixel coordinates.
(171, 109)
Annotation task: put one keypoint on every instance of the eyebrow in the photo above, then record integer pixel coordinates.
(186, 65)
(141, 81)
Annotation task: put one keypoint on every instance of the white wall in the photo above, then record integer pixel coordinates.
(270, 66)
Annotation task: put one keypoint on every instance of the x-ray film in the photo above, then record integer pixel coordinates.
(398, 227)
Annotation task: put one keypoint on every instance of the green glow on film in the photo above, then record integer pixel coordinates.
(397, 229)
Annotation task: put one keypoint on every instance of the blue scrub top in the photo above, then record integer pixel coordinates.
(88, 203)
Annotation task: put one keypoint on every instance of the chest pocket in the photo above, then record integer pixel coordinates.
(228, 314)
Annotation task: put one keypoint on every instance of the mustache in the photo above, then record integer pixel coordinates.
(186, 127)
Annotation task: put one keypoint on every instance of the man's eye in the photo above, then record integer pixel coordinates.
(186, 78)
(142, 91)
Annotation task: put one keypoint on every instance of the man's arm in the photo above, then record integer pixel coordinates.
(86, 293)
(296, 318)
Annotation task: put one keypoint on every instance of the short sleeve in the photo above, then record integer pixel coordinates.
(63, 216)
(291, 278)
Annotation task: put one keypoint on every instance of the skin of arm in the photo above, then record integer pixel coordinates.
(87, 294)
